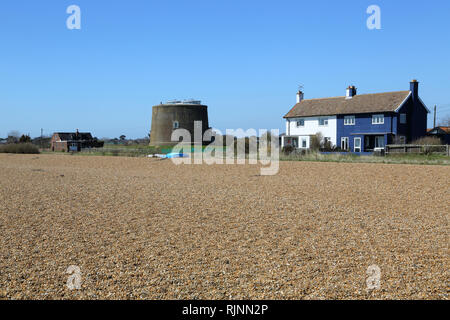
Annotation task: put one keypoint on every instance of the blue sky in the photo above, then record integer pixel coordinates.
(244, 59)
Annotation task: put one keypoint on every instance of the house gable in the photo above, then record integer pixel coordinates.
(416, 120)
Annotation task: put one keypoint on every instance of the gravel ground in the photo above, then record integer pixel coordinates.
(147, 229)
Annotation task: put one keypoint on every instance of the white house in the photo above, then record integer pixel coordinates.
(299, 130)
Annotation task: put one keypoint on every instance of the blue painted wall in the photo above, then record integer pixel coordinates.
(363, 124)
(415, 127)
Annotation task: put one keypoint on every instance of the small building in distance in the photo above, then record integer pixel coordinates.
(73, 141)
(441, 132)
(173, 115)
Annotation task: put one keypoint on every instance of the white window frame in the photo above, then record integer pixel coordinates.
(354, 144)
(300, 125)
(403, 119)
(325, 122)
(378, 119)
(345, 141)
(349, 120)
(305, 142)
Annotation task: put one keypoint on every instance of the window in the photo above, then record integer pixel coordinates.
(323, 122)
(378, 119)
(357, 145)
(349, 121)
(402, 139)
(403, 118)
(379, 142)
(73, 147)
(304, 143)
(291, 142)
(344, 143)
(301, 123)
(176, 124)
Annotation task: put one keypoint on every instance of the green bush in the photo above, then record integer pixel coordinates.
(287, 149)
(23, 148)
(25, 139)
(430, 141)
(316, 142)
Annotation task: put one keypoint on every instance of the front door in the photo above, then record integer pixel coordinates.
(357, 145)
(379, 142)
(344, 143)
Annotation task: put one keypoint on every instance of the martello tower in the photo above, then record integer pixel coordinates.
(172, 115)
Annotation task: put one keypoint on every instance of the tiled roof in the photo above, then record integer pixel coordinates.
(440, 128)
(364, 103)
(68, 136)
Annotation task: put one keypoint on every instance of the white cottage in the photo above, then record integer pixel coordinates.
(300, 130)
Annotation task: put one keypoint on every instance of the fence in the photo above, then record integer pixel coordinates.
(417, 149)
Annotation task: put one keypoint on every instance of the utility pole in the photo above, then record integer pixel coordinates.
(434, 123)
(42, 134)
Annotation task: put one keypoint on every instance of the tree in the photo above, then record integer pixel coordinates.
(122, 137)
(316, 141)
(25, 139)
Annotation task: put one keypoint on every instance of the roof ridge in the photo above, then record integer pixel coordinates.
(363, 103)
(323, 98)
(358, 95)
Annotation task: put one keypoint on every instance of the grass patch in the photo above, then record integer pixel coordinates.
(431, 159)
(143, 151)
